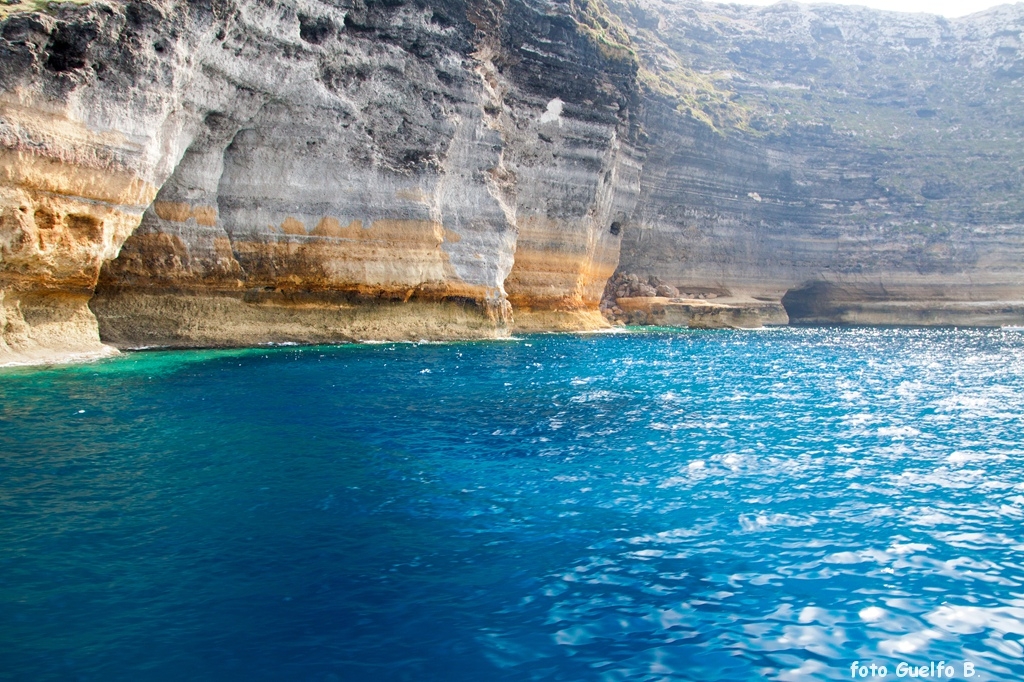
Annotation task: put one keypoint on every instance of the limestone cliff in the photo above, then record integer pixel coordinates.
(229, 172)
(306, 171)
(860, 166)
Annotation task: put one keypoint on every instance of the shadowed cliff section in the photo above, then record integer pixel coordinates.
(826, 303)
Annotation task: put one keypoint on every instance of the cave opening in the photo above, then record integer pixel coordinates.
(809, 302)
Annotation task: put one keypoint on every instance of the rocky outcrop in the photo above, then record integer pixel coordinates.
(229, 172)
(70, 192)
(630, 300)
(692, 313)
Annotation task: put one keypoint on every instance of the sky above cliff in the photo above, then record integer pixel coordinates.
(948, 8)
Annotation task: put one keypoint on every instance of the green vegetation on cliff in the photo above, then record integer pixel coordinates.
(8, 7)
(936, 101)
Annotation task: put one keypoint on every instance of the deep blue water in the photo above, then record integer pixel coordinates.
(691, 506)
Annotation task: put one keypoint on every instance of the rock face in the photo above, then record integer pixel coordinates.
(694, 313)
(630, 300)
(859, 166)
(307, 171)
(232, 172)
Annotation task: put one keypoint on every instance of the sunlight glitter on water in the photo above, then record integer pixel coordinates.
(693, 506)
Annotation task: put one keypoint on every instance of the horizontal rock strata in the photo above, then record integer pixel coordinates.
(228, 172)
(233, 173)
(861, 167)
(730, 313)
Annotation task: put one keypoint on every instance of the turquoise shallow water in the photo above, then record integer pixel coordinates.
(692, 506)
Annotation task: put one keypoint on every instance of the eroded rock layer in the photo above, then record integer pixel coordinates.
(309, 171)
(230, 172)
(861, 167)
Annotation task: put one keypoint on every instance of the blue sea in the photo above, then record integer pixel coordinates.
(790, 504)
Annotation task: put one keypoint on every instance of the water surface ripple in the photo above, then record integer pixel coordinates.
(663, 506)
